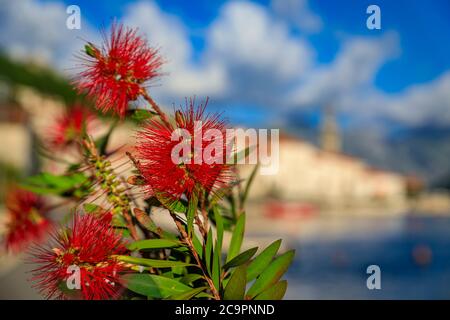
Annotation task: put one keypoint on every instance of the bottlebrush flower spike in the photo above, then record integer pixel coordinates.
(27, 222)
(162, 176)
(70, 126)
(117, 73)
(90, 244)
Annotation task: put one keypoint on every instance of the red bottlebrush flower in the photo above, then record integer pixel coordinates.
(71, 125)
(116, 74)
(27, 222)
(89, 244)
(198, 169)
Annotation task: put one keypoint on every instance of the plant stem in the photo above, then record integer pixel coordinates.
(155, 107)
(190, 244)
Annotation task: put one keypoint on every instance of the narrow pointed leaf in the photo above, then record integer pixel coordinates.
(219, 227)
(261, 262)
(147, 222)
(244, 195)
(275, 292)
(153, 244)
(153, 262)
(154, 286)
(235, 288)
(208, 250)
(236, 239)
(191, 212)
(271, 274)
(191, 277)
(241, 258)
(188, 294)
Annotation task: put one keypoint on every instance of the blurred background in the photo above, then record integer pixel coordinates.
(364, 119)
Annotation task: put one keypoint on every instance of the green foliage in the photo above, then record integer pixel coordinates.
(271, 274)
(141, 115)
(241, 258)
(154, 263)
(260, 263)
(236, 239)
(40, 78)
(153, 244)
(275, 292)
(235, 288)
(154, 286)
(70, 185)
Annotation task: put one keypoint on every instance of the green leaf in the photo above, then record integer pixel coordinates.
(275, 292)
(154, 286)
(240, 156)
(153, 262)
(271, 274)
(197, 246)
(141, 115)
(191, 212)
(47, 183)
(261, 262)
(216, 268)
(219, 227)
(92, 208)
(236, 239)
(244, 195)
(191, 277)
(118, 221)
(241, 258)
(235, 288)
(208, 250)
(147, 222)
(153, 244)
(176, 206)
(188, 294)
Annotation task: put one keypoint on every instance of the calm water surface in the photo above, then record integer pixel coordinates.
(414, 258)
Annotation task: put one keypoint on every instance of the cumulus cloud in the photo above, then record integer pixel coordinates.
(250, 56)
(169, 34)
(259, 54)
(298, 13)
(37, 30)
(247, 56)
(419, 104)
(352, 71)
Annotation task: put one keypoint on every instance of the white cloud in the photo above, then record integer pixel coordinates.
(247, 55)
(298, 13)
(245, 34)
(36, 30)
(352, 71)
(260, 55)
(169, 34)
(419, 104)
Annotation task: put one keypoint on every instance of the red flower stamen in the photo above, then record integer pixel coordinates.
(164, 177)
(27, 220)
(90, 244)
(117, 73)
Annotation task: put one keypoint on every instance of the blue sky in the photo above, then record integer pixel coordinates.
(423, 26)
(307, 54)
